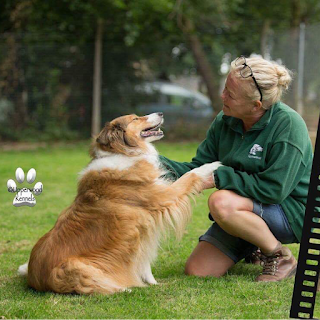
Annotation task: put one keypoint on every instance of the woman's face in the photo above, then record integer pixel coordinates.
(235, 103)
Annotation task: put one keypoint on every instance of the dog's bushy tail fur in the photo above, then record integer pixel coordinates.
(79, 275)
(23, 270)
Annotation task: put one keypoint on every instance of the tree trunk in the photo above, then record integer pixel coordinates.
(300, 99)
(203, 65)
(12, 87)
(294, 44)
(97, 76)
(264, 38)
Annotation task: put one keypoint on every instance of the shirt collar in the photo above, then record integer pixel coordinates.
(236, 124)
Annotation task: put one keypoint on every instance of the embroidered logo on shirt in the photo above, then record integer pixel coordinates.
(253, 151)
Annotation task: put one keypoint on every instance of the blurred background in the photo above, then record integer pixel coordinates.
(68, 66)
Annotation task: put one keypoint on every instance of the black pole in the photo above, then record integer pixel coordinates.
(306, 281)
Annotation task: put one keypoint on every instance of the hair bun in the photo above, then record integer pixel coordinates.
(284, 76)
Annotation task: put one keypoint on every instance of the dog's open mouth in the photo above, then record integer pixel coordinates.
(152, 131)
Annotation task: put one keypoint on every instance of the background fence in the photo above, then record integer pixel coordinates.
(46, 81)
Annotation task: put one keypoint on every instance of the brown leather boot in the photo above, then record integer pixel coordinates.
(256, 258)
(278, 265)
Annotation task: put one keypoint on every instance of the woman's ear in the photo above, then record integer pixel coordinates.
(257, 105)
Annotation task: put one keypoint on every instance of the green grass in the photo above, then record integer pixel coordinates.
(235, 295)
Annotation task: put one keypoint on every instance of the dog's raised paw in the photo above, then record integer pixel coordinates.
(207, 169)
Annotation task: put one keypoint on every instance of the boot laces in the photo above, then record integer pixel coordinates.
(270, 266)
(255, 256)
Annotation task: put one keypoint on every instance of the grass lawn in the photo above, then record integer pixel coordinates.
(235, 295)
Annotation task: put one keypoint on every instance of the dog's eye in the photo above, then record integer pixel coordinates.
(135, 119)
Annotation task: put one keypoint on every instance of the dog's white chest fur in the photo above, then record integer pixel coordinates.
(108, 160)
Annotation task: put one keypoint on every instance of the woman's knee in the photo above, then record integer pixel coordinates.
(191, 268)
(207, 260)
(220, 205)
(194, 268)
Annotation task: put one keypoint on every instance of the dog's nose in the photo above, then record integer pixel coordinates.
(160, 114)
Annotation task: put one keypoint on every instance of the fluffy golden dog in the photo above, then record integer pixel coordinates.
(106, 240)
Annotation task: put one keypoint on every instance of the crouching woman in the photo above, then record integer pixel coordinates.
(262, 188)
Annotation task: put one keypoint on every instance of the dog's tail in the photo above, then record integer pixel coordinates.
(79, 275)
(23, 270)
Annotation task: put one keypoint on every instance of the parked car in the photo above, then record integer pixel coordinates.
(178, 104)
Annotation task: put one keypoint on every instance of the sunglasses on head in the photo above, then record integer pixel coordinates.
(246, 72)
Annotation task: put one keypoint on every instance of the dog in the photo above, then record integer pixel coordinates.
(106, 240)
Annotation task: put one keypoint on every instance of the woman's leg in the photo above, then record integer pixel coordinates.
(234, 214)
(237, 230)
(207, 260)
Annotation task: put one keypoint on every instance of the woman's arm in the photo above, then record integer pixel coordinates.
(285, 169)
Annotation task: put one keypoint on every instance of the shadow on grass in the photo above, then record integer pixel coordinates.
(243, 268)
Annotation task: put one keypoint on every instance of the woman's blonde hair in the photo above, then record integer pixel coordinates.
(273, 80)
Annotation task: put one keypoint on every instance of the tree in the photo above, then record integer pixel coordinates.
(143, 39)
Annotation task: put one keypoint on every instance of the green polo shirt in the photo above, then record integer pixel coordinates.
(270, 163)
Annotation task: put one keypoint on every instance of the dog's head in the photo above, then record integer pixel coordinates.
(128, 135)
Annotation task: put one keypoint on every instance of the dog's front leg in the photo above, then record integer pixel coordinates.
(193, 181)
(173, 201)
(147, 275)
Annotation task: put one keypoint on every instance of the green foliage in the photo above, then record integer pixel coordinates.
(47, 48)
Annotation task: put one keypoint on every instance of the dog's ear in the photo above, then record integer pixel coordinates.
(109, 134)
(113, 136)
